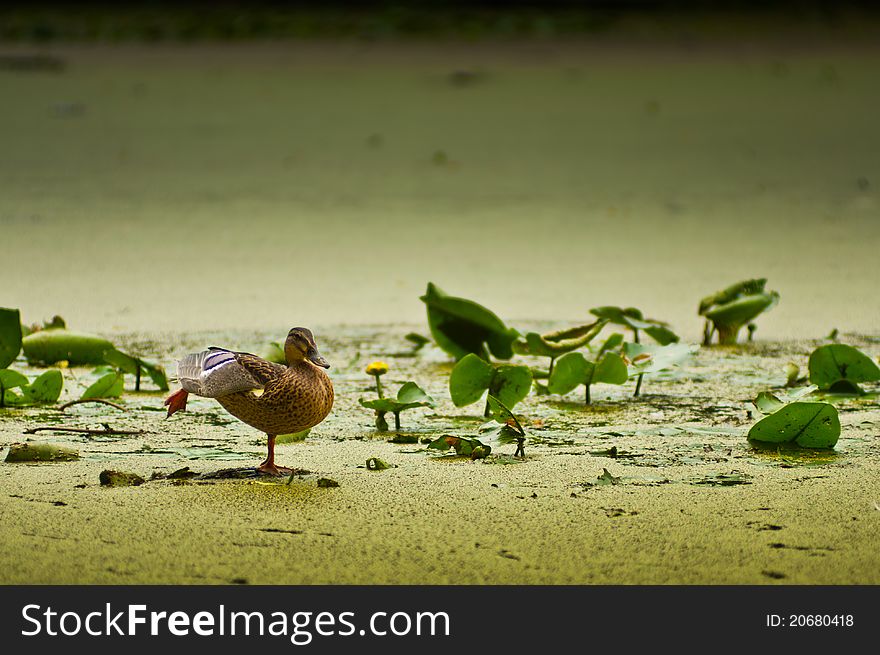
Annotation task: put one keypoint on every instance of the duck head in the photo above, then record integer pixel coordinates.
(300, 345)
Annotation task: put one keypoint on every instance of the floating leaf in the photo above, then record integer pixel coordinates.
(611, 343)
(10, 379)
(461, 326)
(135, 366)
(109, 385)
(574, 369)
(45, 389)
(606, 478)
(730, 309)
(409, 396)
(10, 336)
(293, 437)
(811, 425)
(838, 362)
(792, 371)
(472, 376)
(40, 452)
(768, 403)
(633, 318)
(417, 340)
(555, 344)
(464, 446)
(48, 347)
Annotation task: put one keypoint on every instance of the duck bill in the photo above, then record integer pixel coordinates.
(315, 358)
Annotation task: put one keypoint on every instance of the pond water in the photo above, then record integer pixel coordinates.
(260, 187)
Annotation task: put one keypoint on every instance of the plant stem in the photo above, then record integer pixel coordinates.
(487, 412)
(2, 395)
(137, 378)
(378, 387)
(552, 361)
(397, 421)
(587, 398)
(638, 385)
(636, 335)
(90, 400)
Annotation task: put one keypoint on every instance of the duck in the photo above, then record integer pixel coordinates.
(273, 398)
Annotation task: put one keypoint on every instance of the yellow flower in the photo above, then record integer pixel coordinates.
(377, 368)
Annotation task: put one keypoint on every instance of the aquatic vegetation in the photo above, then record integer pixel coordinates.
(109, 478)
(767, 402)
(134, 366)
(461, 326)
(633, 319)
(110, 384)
(464, 446)
(473, 376)
(274, 352)
(644, 359)
(574, 370)
(839, 368)
(508, 429)
(809, 425)
(728, 310)
(48, 347)
(377, 370)
(10, 335)
(558, 343)
(409, 396)
(46, 388)
(40, 452)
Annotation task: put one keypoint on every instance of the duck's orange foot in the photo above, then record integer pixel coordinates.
(271, 469)
(176, 401)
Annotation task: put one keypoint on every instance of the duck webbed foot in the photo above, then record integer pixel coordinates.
(267, 468)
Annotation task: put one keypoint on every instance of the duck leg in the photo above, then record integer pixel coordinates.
(268, 466)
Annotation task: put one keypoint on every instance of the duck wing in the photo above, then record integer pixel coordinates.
(219, 372)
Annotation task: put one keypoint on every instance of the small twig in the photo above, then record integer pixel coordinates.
(61, 428)
(90, 400)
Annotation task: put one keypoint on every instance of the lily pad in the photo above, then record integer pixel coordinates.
(293, 437)
(109, 385)
(633, 318)
(136, 365)
(45, 389)
(40, 452)
(48, 347)
(732, 308)
(461, 326)
(810, 425)
(556, 344)
(377, 464)
(574, 369)
(838, 362)
(473, 376)
(10, 335)
(464, 446)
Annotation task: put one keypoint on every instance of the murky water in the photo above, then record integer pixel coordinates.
(258, 188)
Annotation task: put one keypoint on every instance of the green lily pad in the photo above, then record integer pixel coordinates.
(293, 437)
(838, 362)
(574, 369)
(10, 335)
(136, 365)
(810, 425)
(473, 376)
(40, 452)
(409, 395)
(464, 446)
(737, 305)
(10, 379)
(45, 389)
(48, 347)
(633, 318)
(274, 352)
(461, 326)
(109, 385)
(555, 344)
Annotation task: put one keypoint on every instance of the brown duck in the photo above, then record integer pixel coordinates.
(294, 397)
